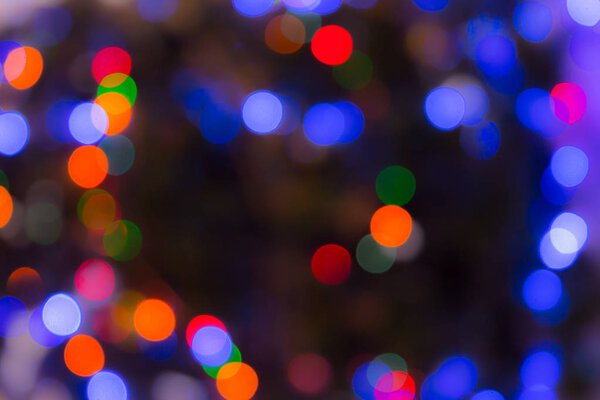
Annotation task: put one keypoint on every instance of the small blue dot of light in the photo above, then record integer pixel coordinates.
(88, 123)
(262, 112)
(496, 55)
(106, 385)
(157, 10)
(39, 333)
(324, 124)
(541, 368)
(431, 5)
(61, 315)
(445, 108)
(569, 166)
(14, 133)
(456, 377)
(533, 21)
(542, 290)
(534, 111)
(212, 346)
(361, 385)
(487, 395)
(253, 8)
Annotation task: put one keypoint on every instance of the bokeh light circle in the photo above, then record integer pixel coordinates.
(332, 45)
(262, 112)
(106, 385)
(88, 123)
(237, 381)
(569, 166)
(154, 320)
(61, 314)
(331, 264)
(391, 226)
(95, 280)
(88, 166)
(83, 355)
(23, 67)
(110, 60)
(212, 346)
(445, 108)
(542, 290)
(569, 102)
(14, 133)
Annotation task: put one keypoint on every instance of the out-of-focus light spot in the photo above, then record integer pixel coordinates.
(154, 320)
(563, 240)
(496, 55)
(584, 12)
(23, 67)
(200, 321)
(110, 60)
(324, 124)
(356, 73)
(395, 185)
(395, 385)
(391, 226)
(476, 103)
(534, 110)
(14, 133)
(538, 393)
(431, 5)
(573, 224)
(364, 375)
(331, 264)
(455, 378)
(301, 6)
(88, 123)
(106, 385)
(253, 8)
(25, 283)
(237, 381)
(354, 121)
(481, 142)
(113, 324)
(57, 119)
(39, 333)
(285, 34)
(118, 111)
(157, 10)
(569, 102)
(119, 83)
(373, 257)
(533, 20)
(310, 374)
(212, 346)
(12, 311)
(262, 112)
(6, 207)
(219, 124)
(122, 240)
(96, 209)
(584, 49)
(83, 355)
(326, 7)
(159, 351)
(61, 315)
(569, 166)
(552, 257)
(487, 395)
(542, 290)
(445, 108)
(120, 153)
(95, 280)
(88, 166)
(540, 368)
(235, 356)
(332, 45)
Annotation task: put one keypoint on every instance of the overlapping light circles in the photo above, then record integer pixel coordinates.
(385, 377)
(83, 355)
(23, 67)
(61, 315)
(14, 133)
(6, 207)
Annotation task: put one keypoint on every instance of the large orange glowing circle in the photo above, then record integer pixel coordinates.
(84, 355)
(154, 320)
(23, 67)
(391, 226)
(237, 381)
(6, 206)
(88, 166)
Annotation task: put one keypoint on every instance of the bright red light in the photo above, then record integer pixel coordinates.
(200, 322)
(331, 264)
(332, 45)
(110, 60)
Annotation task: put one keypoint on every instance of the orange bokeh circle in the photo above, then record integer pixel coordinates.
(84, 355)
(237, 381)
(154, 320)
(391, 226)
(88, 166)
